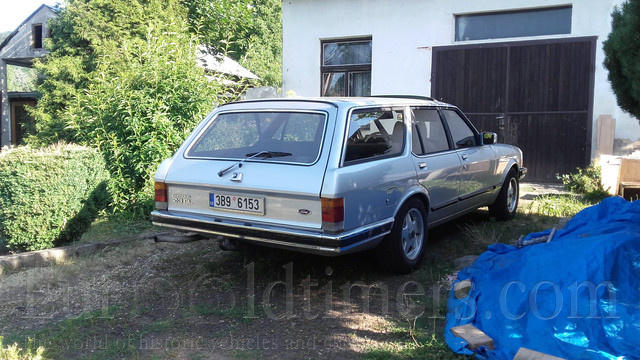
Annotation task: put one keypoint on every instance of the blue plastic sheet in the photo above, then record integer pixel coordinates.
(576, 297)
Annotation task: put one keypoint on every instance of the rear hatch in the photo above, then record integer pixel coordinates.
(259, 163)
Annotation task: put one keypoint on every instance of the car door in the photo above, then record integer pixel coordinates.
(437, 164)
(375, 171)
(478, 175)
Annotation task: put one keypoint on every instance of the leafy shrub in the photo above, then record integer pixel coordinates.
(12, 352)
(49, 196)
(139, 115)
(585, 182)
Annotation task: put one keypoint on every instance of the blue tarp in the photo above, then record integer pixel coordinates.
(576, 297)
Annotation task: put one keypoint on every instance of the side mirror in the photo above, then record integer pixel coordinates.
(489, 138)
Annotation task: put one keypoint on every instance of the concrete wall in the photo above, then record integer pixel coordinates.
(405, 31)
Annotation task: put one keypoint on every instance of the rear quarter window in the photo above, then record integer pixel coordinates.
(374, 134)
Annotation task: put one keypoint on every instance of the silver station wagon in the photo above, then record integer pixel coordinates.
(333, 176)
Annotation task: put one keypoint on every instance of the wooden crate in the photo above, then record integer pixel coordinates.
(629, 179)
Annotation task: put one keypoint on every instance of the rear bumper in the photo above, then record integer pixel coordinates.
(315, 242)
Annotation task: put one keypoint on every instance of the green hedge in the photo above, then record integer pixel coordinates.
(49, 196)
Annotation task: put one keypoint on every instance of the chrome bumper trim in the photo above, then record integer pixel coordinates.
(315, 242)
(522, 172)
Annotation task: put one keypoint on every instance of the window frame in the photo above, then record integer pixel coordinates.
(346, 69)
(452, 144)
(456, 35)
(37, 36)
(186, 154)
(445, 127)
(399, 109)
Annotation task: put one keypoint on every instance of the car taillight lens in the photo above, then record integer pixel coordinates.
(332, 214)
(161, 195)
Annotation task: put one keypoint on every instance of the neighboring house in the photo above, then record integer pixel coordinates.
(529, 70)
(23, 45)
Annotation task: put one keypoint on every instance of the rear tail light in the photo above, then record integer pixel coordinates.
(161, 195)
(332, 214)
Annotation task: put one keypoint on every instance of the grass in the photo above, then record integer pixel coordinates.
(559, 205)
(422, 337)
(110, 227)
(159, 326)
(104, 334)
(101, 334)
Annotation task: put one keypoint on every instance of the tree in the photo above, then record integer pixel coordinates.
(622, 51)
(123, 77)
(249, 31)
(264, 53)
(21, 78)
(84, 32)
(140, 114)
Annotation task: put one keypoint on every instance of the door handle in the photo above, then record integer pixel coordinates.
(464, 156)
(500, 120)
(422, 165)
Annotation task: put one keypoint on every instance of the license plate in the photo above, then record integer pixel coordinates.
(241, 203)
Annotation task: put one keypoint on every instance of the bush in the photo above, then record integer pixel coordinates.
(139, 115)
(585, 182)
(49, 196)
(13, 352)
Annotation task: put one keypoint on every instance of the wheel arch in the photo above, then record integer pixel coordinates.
(419, 193)
(511, 166)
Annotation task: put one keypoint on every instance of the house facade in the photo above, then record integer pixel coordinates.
(529, 70)
(23, 45)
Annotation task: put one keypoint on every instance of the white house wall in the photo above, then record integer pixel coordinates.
(404, 32)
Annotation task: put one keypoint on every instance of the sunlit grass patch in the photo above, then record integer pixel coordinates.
(558, 205)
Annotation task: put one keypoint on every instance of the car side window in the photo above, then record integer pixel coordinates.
(461, 133)
(428, 135)
(374, 133)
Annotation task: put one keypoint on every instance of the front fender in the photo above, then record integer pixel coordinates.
(509, 157)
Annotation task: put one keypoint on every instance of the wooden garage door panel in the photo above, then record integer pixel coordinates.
(473, 78)
(549, 77)
(551, 143)
(487, 123)
(543, 91)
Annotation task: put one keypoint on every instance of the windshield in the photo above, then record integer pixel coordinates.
(287, 136)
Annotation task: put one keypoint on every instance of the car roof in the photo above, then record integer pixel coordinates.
(382, 101)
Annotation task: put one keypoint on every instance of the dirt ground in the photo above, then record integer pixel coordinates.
(194, 301)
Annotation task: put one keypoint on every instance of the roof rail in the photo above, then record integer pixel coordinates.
(415, 97)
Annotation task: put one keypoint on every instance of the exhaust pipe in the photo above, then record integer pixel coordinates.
(227, 244)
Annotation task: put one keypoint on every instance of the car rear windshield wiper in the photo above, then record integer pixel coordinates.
(268, 154)
(265, 153)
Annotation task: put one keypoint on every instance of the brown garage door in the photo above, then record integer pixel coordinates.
(537, 95)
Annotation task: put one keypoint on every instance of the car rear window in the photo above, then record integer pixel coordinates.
(293, 137)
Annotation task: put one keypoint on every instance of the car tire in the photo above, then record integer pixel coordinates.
(505, 206)
(401, 250)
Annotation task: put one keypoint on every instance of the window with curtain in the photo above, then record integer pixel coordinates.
(346, 67)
